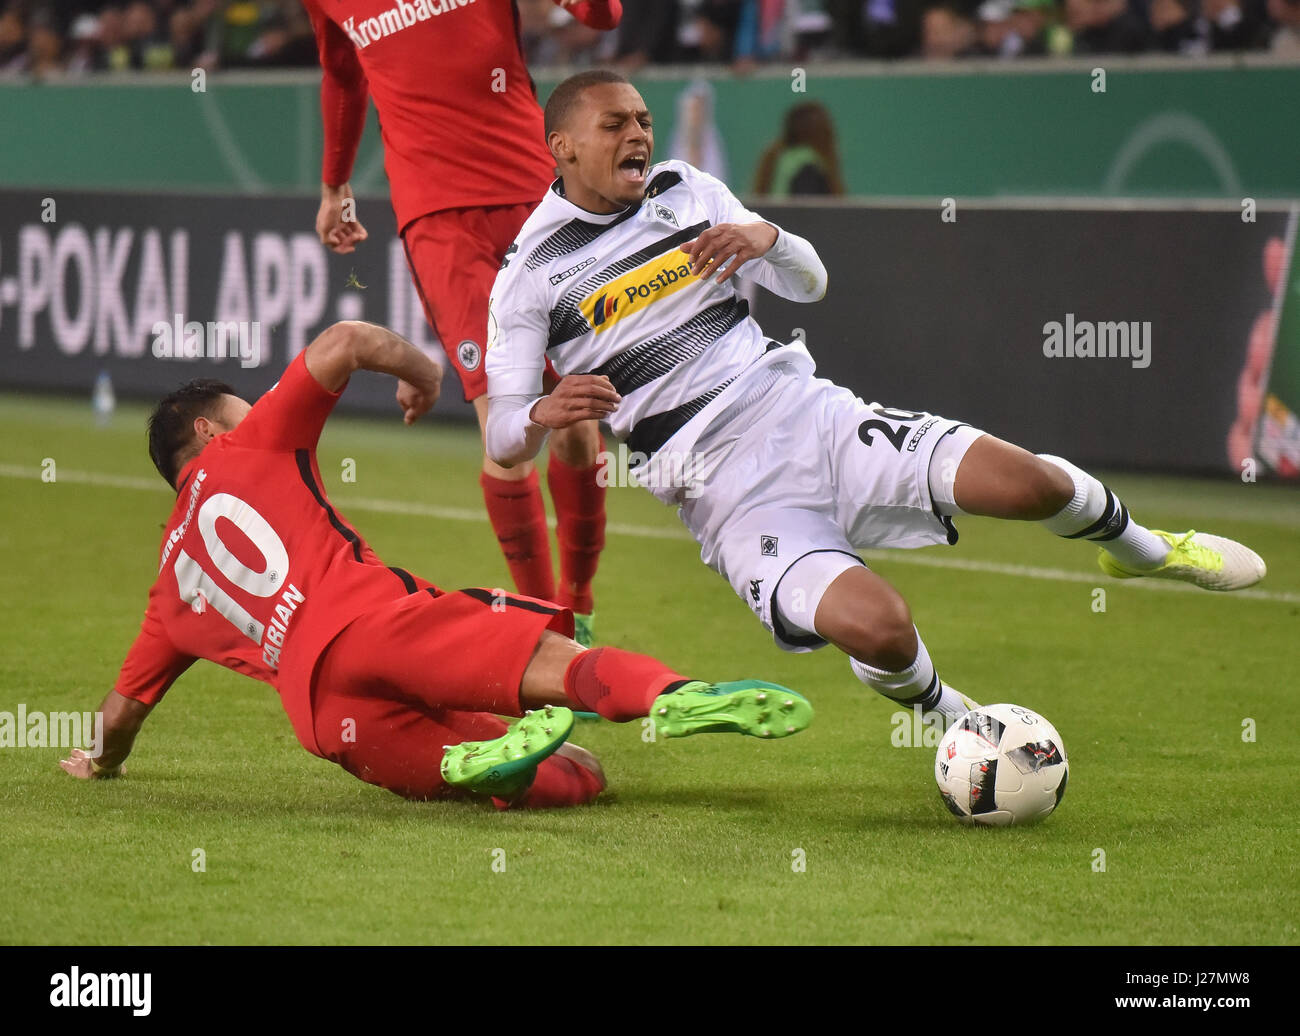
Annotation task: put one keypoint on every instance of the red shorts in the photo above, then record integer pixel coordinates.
(454, 256)
(399, 683)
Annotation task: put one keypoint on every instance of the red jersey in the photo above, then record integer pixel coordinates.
(258, 572)
(457, 109)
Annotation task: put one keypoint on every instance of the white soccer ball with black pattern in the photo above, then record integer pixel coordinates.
(1000, 765)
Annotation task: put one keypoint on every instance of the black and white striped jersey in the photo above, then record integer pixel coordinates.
(614, 295)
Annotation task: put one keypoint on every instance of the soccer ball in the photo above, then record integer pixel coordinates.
(1000, 765)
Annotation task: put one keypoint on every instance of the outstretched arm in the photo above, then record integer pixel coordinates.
(352, 345)
(123, 718)
(151, 666)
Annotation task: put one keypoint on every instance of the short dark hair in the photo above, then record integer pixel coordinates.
(171, 425)
(567, 94)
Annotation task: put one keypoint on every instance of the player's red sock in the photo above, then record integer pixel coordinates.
(560, 782)
(580, 528)
(617, 684)
(519, 519)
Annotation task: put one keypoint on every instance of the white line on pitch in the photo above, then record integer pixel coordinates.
(465, 514)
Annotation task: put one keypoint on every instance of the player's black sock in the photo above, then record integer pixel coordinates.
(918, 684)
(1096, 513)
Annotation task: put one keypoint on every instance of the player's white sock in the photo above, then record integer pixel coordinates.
(1096, 513)
(918, 684)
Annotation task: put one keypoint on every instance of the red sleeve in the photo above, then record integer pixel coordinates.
(344, 92)
(288, 417)
(153, 664)
(596, 14)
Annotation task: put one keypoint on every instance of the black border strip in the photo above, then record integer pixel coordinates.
(489, 598)
(304, 469)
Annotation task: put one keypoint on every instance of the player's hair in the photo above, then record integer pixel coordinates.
(171, 425)
(567, 94)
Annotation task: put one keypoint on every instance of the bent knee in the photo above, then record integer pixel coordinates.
(880, 634)
(1044, 490)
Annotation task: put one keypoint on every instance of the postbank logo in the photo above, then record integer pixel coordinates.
(637, 289)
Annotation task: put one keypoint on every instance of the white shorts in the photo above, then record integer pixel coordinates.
(810, 468)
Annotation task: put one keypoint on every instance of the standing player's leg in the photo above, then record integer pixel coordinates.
(997, 479)
(453, 257)
(513, 498)
(571, 474)
(579, 499)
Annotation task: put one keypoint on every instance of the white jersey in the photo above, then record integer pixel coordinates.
(614, 295)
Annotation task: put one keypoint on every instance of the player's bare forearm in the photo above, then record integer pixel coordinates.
(123, 718)
(352, 345)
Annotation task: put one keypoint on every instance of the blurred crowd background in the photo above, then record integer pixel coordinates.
(47, 39)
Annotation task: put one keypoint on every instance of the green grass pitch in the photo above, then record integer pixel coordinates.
(696, 839)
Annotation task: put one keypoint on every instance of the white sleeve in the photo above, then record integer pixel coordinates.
(510, 436)
(517, 332)
(791, 268)
(515, 357)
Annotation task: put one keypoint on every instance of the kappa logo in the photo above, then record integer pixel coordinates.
(756, 591)
(767, 546)
(559, 277)
(469, 354)
(505, 259)
(919, 434)
(400, 16)
(660, 277)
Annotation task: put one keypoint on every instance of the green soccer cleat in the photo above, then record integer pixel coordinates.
(1210, 562)
(751, 707)
(505, 766)
(584, 632)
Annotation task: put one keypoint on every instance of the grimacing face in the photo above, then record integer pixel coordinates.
(604, 147)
